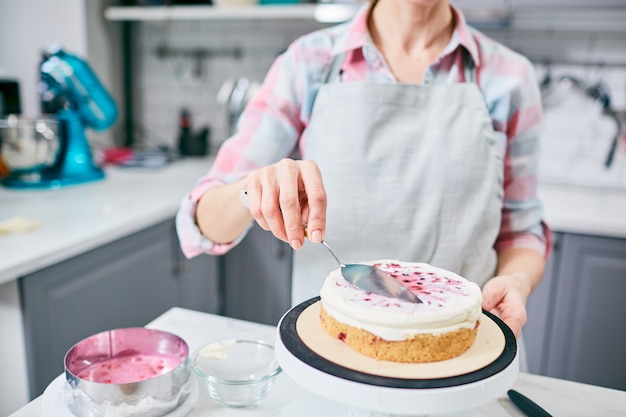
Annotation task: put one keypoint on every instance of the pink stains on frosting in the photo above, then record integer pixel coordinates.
(431, 286)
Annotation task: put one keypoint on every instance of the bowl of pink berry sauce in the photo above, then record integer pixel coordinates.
(137, 371)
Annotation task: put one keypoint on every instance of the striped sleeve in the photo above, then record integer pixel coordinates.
(268, 131)
(517, 113)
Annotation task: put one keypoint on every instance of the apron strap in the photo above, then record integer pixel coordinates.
(335, 68)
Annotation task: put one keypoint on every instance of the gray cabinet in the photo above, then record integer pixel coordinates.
(536, 332)
(256, 278)
(126, 283)
(578, 316)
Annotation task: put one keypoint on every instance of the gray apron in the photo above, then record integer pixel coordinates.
(412, 172)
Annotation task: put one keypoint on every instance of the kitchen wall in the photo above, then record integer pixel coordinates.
(590, 47)
(577, 136)
(27, 28)
(165, 85)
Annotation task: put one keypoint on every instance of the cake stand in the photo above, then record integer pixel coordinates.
(366, 387)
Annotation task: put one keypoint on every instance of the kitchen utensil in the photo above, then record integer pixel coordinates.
(132, 371)
(71, 93)
(528, 406)
(9, 97)
(372, 279)
(363, 276)
(29, 145)
(237, 373)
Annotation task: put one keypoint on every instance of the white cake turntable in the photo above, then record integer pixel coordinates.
(344, 383)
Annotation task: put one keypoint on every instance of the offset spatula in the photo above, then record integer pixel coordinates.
(372, 279)
(365, 277)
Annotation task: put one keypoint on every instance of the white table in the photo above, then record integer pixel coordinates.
(559, 397)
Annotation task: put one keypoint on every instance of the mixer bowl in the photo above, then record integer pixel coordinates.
(29, 144)
(130, 371)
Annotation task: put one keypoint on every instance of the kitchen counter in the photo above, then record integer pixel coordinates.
(559, 397)
(76, 219)
(584, 210)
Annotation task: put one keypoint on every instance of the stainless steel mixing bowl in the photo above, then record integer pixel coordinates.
(29, 144)
(150, 392)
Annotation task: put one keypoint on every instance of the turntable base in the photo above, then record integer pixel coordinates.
(330, 369)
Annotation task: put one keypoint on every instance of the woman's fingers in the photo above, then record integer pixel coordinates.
(283, 196)
(315, 201)
(502, 297)
(289, 178)
(270, 203)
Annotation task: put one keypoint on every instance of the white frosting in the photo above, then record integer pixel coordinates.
(450, 302)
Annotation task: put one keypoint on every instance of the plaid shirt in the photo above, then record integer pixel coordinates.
(273, 123)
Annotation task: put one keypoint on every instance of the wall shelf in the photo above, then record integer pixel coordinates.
(602, 19)
(324, 13)
(320, 12)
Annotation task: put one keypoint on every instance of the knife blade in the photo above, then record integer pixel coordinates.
(528, 406)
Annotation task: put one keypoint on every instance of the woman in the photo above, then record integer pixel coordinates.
(418, 137)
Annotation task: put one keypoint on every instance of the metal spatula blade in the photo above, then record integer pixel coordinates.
(377, 281)
(373, 279)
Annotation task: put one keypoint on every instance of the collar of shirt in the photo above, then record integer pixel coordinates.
(356, 36)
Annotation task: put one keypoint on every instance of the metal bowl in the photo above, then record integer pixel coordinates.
(131, 371)
(29, 144)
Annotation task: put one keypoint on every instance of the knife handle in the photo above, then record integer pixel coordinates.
(528, 406)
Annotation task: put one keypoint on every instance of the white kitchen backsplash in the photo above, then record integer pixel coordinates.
(168, 84)
(576, 137)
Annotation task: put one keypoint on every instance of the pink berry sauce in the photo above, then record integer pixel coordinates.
(127, 369)
(433, 288)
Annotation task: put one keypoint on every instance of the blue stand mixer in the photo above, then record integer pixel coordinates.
(52, 151)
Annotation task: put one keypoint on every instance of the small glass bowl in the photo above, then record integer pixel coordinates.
(237, 373)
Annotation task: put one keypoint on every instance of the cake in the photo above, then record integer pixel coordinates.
(442, 327)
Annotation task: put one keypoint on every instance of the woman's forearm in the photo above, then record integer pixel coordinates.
(220, 216)
(525, 265)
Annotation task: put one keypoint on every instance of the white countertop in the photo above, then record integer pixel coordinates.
(559, 397)
(584, 210)
(76, 219)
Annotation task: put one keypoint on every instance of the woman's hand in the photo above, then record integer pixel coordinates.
(505, 296)
(284, 196)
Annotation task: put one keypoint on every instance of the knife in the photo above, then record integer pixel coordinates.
(528, 406)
